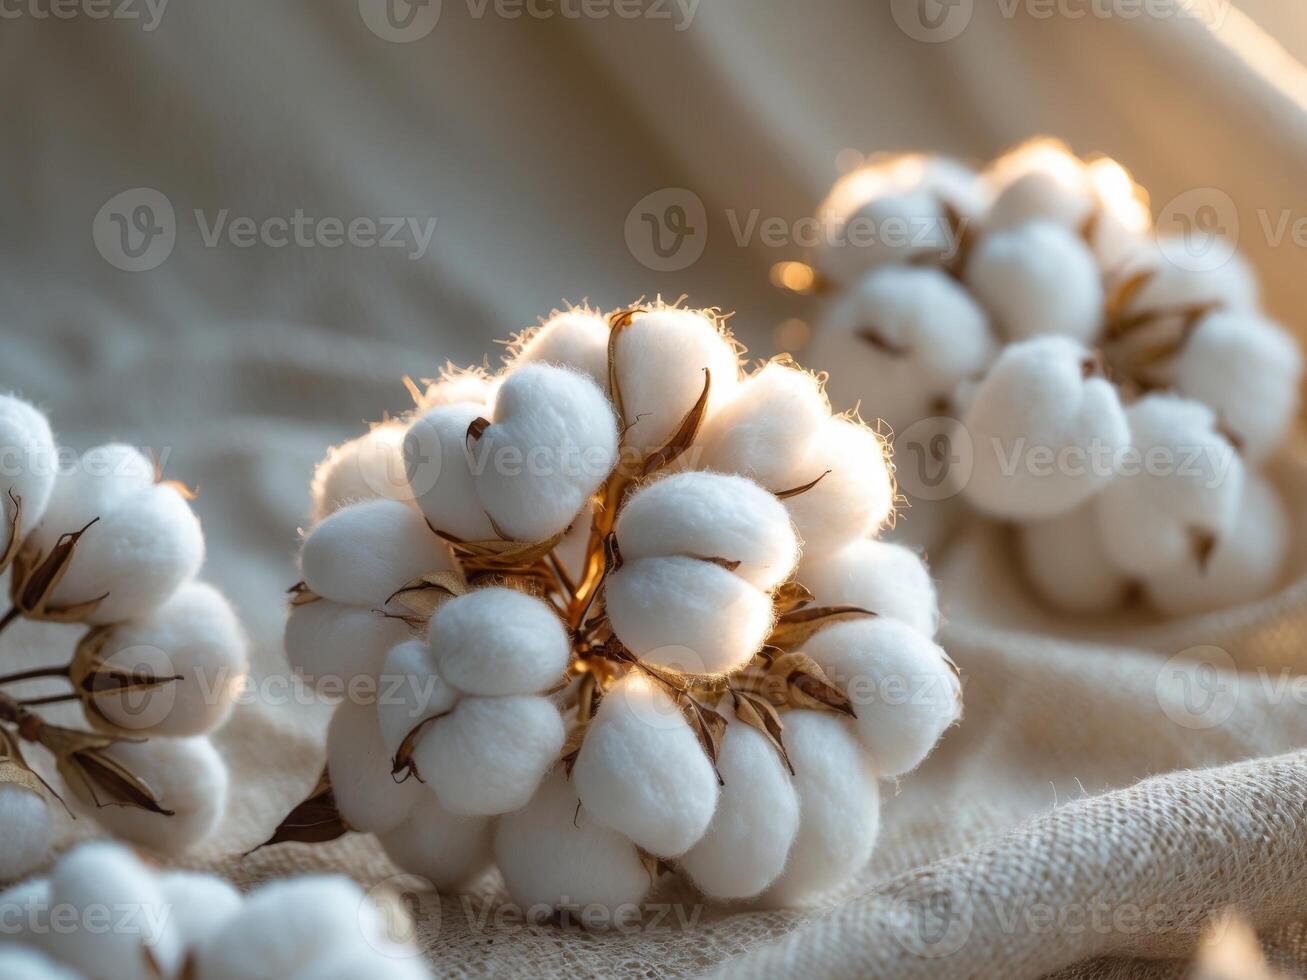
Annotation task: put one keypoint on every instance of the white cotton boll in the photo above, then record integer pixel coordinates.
(410, 690)
(745, 847)
(459, 386)
(1176, 288)
(100, 479)
(903, 688)
(766, 431)
(328, 640)
(490, 754)
(887, 579)
(186, 775)
(660, 362)
(445, 848)
(25, 912)
(1063, 198)
(362, 469)
(574, 338)
(642, 771)
(839, 808)
(554, 855)
(29, 463)
(687, 615)
(198, 905)
(498, 641)
(1245, 564)
(20, 963)
(367, 795)
(1247, 370)
(1177, 492)
(1066, 564)
(1039, 278)
(366, 552)
(440, 475)
(856, 494)
(553, 442)
(711, 515)
(900, 342)
(25, 841)
(1044, 431)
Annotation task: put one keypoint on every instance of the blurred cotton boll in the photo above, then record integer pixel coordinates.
(28, 465)
(1066, 563)
(364, 468)
(25, 817)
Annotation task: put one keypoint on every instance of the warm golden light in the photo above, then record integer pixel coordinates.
(1040, 155)
(791, 335)
(1126, 200)
(797, 277)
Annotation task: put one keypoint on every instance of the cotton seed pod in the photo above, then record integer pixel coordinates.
(692, 616)
(440, 474)
(902, 685)
(854, 493)
(642, 771)
(905, 336)
(887, 579)
(711, 515)
(21, 963)
(198, 905)
(1066, 564)
(186, 775)
(1247, 370)
(366, 552)
(660, 359)
(368, 797)
(1045, 430)
(445, 848)
(193, 637)
(499, 641)
(410, 691)
(1178, 493)
(576, 339)
(28, 465)
(365, 468)
(746, 844)
(490, 754)
(1037, 279)
(326, 639)
(839, 808)
(554, 855)
(25, 817)
(1245, 564)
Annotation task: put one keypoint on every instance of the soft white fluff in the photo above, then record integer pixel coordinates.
(441, 475)
(1044, 435)
(1247, 370)
(25, 911)
(1063, 198)
(554, 855)
(28, 463)
(198, 905)
(642, 771)
(490, 754)
(21, 963)
(194, 636)
(1175, 288)
(25, 819)
(367, 795)
(661, 358)
(902, 687)
(186, 775)
(1245, 565)
(361, 469)
(1037, 279)
(575, 339)
(499, 641)
(856, 494)
(1179, 485)
(757, 818)
(410, 690)
(445, 848)
(711, 515)
(98, 481)
(1066, 564)
(887, 579)
(364, 553)
(459, 386)
(839, 808)
(328, 640)
(688, 615)
(899, 342)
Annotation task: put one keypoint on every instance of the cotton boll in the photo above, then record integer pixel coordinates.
(574, 338)
(1063, 198)
(445, 848)
(100, 479)
(552, 443)
(471, 386)
(711, 515)
(1245, 565)
(660, 362)
(326, 639)
(29, 465)
(410, 691)
(757, 818)
(366, 552)
(1175, 288)
(887, 579)
(1038, 279)
(440, 475)
(902, 686)
(198, 905)
(25, 912)
(20, 963)
(905, 336)
(687, 615)
(554, 855)
(1044, 429)
(186, 775)
(1177, 493)
(367, 795)
(855, 495)
(362, 469)
(642, 771)
(490, 754)
(839, 808)
(1066, 564)
(497, 641)
(1247, 370)
(25, 817)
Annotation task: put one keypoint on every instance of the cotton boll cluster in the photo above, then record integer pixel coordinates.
(1059, 313)
(119, 918)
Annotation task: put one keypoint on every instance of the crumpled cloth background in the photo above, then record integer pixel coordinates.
(1078, 823)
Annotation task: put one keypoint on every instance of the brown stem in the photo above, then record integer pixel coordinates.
(27, 675)
(9, 617)
(49, 699)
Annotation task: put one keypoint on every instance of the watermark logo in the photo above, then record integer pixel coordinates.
(136, 230)
(400, 21)
(390, 911)
(930, 922)
(148, 12)
(932, 21)
(1198, 688)
(1199, 229)
(933, 458)
(667, 230)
